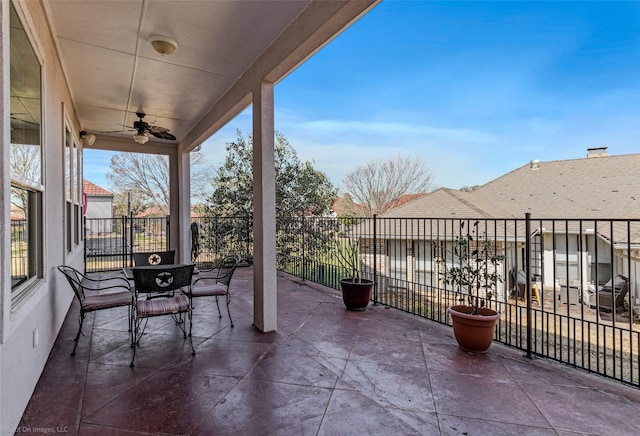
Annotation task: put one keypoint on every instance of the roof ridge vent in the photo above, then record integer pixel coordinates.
(534, 164)
(597, 152)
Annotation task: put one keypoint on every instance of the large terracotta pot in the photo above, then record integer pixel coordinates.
(474, 333)
(356, 294)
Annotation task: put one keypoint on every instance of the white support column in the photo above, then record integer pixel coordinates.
(177, 207)
(182, 234)
(265, 307)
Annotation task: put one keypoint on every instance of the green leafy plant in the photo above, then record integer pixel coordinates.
(476, 266)
(348, 251)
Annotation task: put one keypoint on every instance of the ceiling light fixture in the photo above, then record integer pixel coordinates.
(163, 45)
(141, 138)
(87, 138)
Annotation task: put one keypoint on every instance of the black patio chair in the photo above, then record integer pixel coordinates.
(611, 297)
(195, 241)
(157, 293)
(150, 258)
(215, 282)
(97, 294)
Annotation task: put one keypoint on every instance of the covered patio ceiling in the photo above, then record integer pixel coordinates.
(223, 49)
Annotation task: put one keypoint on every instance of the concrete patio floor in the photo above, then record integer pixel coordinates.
(326, 371)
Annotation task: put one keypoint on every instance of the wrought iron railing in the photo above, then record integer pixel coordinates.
(19, 252)
(111, 242)
(574, 317)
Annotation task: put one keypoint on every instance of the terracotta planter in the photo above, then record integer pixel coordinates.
(356, 295)
(474, 333)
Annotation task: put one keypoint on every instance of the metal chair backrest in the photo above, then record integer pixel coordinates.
(162, 279)
(622, 291)
(74, 277)
(226, 268)
(195, 241)
(150, 258)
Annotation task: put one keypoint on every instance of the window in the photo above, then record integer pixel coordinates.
(423, 252)
(536, 256)
(79, 203)
(398, 261)
(73, 190)
(26, 160)
(68, 189)
(600, 267)
(567, 258)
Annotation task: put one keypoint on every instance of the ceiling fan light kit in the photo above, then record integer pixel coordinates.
(87, 138)
(141, 138)
(142, 131)
(163, 45)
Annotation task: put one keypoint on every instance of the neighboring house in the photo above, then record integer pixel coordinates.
(17, 214)
(153, 212)
(599, 187)
(341, 205)
(99, 204)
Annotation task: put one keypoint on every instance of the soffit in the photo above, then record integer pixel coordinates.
(113, 71)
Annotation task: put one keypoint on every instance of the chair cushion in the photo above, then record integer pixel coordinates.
(207, 289)
(618, 283)
(106, 284)
(106, 300)
(162, 306)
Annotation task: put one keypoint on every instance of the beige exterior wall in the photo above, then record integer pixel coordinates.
(28, 330)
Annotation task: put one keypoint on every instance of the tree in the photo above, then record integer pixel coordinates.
(301, 191)
(25, 165)
(469, 188)
(123, 200)
(346, 208)
(379, 184)
(147, 175)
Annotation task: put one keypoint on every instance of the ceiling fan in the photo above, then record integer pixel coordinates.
(144, 129)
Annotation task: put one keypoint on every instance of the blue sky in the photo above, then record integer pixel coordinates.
(476, 89)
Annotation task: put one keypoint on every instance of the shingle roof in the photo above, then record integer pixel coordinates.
(446, 203)
(590, 188)
(600, 187)
(94, 190)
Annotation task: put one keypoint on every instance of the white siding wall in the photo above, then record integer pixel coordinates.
(44, 310)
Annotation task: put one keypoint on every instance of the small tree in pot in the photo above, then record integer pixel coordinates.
(356, 291)
(475, 273)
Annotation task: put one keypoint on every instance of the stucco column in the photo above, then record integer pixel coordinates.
(181, 236)
(264, 211)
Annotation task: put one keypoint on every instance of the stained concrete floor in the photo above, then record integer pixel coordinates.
(326, 371)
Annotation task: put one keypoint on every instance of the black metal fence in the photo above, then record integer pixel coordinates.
(213, 237)
(19, 252)
(111, 242)
(568, 288)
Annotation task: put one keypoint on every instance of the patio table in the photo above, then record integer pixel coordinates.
(128, 271)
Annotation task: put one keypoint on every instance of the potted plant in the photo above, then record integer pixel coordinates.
(475, 274)
(356, 291)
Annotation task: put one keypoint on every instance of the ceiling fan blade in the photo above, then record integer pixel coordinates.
(161, 133)
(126, 129)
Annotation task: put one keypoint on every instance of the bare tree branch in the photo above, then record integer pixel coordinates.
(378, 185)
(148, 176)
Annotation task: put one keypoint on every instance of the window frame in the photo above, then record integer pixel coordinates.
(35, 189)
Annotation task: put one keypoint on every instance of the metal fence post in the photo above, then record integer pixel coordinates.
(84, 239)
(168, 233)
(527, 259)
(375, 261)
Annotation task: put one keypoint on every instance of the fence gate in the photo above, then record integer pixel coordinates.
(111, 242)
